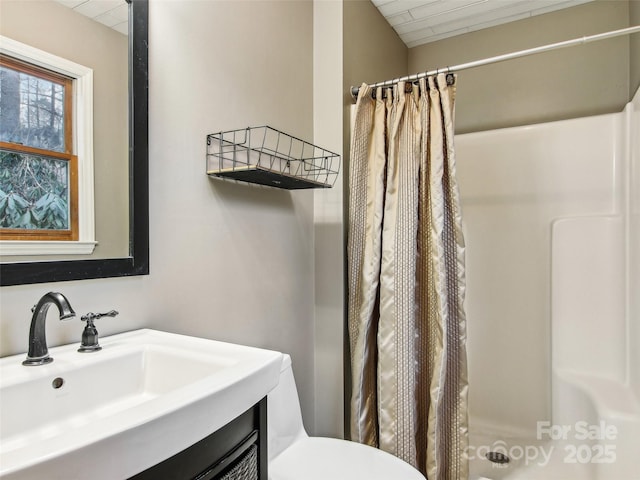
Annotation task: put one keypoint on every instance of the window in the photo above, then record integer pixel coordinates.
(46, 153)
(38, 170)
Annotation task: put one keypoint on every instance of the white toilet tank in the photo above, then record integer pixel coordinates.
(293, 455)
(284, 417)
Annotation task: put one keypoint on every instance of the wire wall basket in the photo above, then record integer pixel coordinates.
(266, 156)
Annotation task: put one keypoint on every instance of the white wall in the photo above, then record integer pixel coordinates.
(514, 183)
(228, 261)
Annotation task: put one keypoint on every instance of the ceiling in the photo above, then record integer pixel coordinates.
(422, 21)
(416, 21)
(112, 13)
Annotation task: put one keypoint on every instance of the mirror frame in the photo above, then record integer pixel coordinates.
(137, 263)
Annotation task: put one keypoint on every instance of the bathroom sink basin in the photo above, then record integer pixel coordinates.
(144, 397)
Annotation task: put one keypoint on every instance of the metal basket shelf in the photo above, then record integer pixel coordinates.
(266, 156)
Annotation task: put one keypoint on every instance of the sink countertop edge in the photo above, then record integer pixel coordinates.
(184, 428)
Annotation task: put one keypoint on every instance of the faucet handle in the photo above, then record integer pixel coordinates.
(90, 333)
(90, 317)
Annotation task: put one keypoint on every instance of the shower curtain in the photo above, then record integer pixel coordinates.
(407, 325)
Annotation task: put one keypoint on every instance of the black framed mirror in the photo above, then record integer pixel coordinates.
(137, 262)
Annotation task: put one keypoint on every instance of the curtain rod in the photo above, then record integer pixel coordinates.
(502, 58)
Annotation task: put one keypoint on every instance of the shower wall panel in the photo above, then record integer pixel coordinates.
(514, 184)
(633, 110)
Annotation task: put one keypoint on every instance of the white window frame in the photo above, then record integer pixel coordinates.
(83, 147)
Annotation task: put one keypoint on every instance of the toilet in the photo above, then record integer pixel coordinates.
(294, 455)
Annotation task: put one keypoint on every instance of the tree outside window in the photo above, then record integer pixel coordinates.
(38, 170)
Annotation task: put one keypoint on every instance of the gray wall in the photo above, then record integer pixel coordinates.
(229, 262)
(580, 81)
(328, 221)
(372, 52)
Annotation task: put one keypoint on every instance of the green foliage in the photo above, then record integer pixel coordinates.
(33, 192)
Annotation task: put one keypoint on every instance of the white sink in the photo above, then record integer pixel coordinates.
(110, 414)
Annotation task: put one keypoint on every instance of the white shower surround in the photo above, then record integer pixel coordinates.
(552, 223)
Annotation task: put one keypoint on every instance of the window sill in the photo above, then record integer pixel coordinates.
(16, 247)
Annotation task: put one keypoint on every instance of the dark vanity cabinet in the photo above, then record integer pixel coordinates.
(238, 451)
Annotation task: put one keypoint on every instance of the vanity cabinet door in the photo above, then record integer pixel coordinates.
(238, 451)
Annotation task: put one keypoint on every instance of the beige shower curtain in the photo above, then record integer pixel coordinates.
(407, 325)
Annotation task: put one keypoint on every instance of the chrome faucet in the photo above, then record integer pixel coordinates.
(38, 352)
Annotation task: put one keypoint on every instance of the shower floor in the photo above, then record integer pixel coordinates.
(530, 459)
